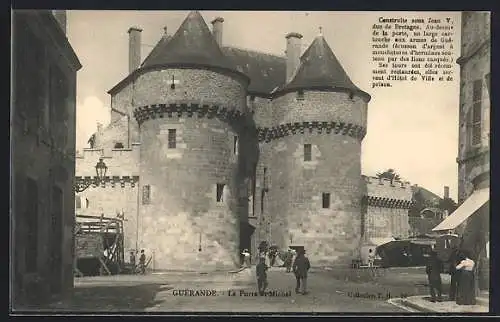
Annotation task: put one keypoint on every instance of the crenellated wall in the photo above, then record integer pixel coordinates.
(118, 194)
(385, 208)
(120, 162)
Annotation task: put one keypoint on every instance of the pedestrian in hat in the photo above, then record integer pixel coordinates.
(301, 266)
(433, 270)
(261, 270)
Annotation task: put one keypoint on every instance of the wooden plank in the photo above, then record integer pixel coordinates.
(103, 265)
(88, 246)
(77, 272)
(97, 217)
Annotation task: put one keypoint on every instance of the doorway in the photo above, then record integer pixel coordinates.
(56, 241)
(246, 232)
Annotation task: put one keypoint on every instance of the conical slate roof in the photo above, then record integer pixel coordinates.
(319, 68)
(156, 51)
(192, 44)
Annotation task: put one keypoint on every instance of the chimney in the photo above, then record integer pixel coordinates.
(446, 193)
(217, 29)
(134, 48)
(60, 16)
(293, 49)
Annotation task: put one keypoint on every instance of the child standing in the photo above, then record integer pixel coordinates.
(262, 275)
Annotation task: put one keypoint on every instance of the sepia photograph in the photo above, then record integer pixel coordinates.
(249, 162)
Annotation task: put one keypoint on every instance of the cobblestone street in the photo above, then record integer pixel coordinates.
(329, 292)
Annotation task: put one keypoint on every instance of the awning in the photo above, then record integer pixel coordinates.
(380, 241)
(466, 209)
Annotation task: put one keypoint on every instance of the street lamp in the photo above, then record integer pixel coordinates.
(100, 169)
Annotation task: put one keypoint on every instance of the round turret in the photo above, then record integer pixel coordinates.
(314, 186)
(189, 113)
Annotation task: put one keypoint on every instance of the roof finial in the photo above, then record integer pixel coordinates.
(320, 31)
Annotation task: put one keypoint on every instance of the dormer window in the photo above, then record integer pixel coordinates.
(300, 95)
(119, 145)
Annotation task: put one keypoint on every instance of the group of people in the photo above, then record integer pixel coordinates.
(142, 262)
(462, 287)
(294, 261)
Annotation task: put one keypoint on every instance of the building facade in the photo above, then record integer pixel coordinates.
(471, 218)
(233, 147)
(474, 134)
(44, 68)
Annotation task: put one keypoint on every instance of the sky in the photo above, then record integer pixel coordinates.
(412, 127)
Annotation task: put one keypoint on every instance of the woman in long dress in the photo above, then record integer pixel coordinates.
(466, 288)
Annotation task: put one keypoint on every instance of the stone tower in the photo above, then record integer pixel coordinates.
(190, 102)
(313, 165)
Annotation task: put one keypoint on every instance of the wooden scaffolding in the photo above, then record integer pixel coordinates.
(99, 239)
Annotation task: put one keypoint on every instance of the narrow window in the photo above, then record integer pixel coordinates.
(220, 192)
(171, 138)
(87, 202)
(119, 145)
(78, 202)
(476, 112)
(235, 145)
(326, 200)
(146, 194)
(300, 95)
(307, 152)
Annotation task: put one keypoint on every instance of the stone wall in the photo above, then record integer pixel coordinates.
(183, 183)
(262, 112)
(43, 150)
(204, 86)
(388, 218)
